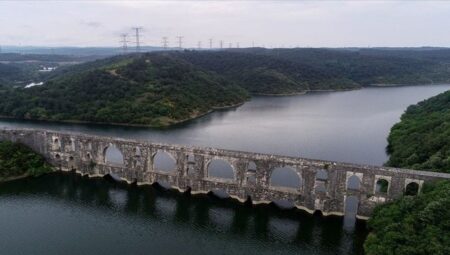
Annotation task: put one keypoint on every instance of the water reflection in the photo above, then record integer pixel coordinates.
(134, 214)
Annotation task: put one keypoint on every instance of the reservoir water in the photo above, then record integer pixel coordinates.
(69, 214)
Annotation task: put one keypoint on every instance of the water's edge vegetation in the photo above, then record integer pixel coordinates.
(19, 161)
(419, 224)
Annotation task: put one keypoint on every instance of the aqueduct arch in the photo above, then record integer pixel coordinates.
(246, 175)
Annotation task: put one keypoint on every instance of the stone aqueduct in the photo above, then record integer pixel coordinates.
(324, 185)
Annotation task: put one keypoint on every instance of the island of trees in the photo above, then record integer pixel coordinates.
(420, 224)
(164, 88)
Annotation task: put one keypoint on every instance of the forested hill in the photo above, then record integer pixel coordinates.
(364, 67)
(421, 140)
(162, 88)
(149, 89)
(266, 74)
(417, 224)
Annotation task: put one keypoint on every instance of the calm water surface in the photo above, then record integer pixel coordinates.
(68, 214)
(349, 126)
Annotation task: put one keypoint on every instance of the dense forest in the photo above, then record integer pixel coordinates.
(18, 160)
(421, 140)
(261, 74)
(163, 88)
(370, 66)
(412, 225)
(149, 89)
(417, 224)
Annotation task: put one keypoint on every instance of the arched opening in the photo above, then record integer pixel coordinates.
(113, 155)
(162, 185)
(56, 141)
(321, 179)
(190, 159)
(353, 183)
(219, 168)
(137, 152)
(190, 169)
(320, 187)
(137, 157)
(250, 176)
(350, 212)
(322, 175)
(164, 162)
(382, 186)
(70, 158)
(220, 193)
(251, 166)
(351, 205)
(57, 156)
(285, 177)
(88, 155)
(283, 204)
(412, 189)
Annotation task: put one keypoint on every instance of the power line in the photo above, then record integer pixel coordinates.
(180, 41)
(137, 36)
(124, 42)
(165, 42)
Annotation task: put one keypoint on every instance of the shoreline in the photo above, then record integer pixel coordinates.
(389, 85)
(219, 108)
(303, 92)
(13, 178)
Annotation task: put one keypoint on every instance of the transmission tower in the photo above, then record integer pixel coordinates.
(124, 42)
(210, 43)
(199, 45)
(221, 44)
(137, 31)
(165, 42)
(237, 45)
(180, 41)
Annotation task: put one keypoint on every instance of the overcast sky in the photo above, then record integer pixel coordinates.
(267, 23)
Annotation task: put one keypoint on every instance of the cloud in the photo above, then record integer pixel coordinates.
(269, 23)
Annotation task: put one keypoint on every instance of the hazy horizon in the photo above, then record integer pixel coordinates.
(269, 24)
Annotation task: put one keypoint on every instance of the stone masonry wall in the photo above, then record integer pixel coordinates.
(326, 192)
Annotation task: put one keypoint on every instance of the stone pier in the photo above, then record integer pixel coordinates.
(324, 186)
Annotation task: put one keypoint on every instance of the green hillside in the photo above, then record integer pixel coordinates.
(163, 88)
(417, 224)
(150, 89)
(421, 140)
(262, 74)
(366, 67)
